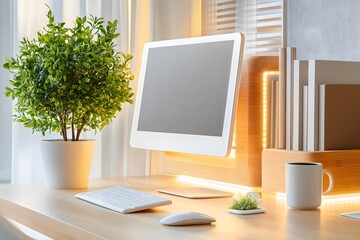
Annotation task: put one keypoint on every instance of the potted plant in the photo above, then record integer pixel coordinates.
(69, 80)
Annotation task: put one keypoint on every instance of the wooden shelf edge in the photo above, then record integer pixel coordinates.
(344, 164)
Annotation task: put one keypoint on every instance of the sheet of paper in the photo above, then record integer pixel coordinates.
(355, 215)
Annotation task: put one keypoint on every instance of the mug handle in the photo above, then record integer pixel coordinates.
(331, 183)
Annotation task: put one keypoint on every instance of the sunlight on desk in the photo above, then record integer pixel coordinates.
(60, 215)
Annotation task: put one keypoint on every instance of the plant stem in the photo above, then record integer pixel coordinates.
(72, 128)
(64, 128)
(79, 131)
(63, 133)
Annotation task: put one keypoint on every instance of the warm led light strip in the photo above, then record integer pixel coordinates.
(234, 188)
(265, 105)
(331, 198)
(342, 197)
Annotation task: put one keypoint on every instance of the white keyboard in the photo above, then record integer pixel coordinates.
(123, 199)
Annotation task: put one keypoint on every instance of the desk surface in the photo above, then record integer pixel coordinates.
(58, 214)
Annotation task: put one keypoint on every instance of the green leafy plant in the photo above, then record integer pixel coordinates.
(246, 202)
(70, 78)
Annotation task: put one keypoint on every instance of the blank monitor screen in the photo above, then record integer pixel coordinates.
(186, 94)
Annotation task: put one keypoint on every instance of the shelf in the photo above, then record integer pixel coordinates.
(344, 164)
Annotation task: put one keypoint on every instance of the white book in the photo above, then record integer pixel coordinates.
(325, 72)
(277, 115)
(274, 112)
(339, 116)
(300, 80)
(290, 57)
(305, 117)
(321, 117)
(282, 98)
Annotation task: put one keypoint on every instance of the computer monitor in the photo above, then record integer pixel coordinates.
(187, 94)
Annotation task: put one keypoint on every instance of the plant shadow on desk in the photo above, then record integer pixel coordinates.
(306, 219)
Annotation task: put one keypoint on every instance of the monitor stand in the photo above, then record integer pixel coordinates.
(196, 192)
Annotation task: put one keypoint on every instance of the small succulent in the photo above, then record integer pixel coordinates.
(246, 201)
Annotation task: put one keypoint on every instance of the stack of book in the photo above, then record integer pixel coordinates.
(317, 106)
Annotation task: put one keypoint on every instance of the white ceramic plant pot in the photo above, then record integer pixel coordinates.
(67, 164)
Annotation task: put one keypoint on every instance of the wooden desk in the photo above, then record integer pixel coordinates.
(59, 215)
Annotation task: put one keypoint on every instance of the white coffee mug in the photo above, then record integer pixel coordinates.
(304, 185)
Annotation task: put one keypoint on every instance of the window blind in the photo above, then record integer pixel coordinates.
(225, 12)
(260, 20)
(269, 25)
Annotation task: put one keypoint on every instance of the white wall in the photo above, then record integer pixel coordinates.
(324, 29)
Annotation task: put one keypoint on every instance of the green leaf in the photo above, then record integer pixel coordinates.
(69, 74)
(6, 65)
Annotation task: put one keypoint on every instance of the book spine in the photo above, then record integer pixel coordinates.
(274, 112)
(297, 144)
(312, 116)
(282, 98)
(277, 115)
(290, 57)
(300, 80)
(305, 117)
(321, 117)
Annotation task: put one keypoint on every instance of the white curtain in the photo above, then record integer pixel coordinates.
(6, 41)
(139, 21)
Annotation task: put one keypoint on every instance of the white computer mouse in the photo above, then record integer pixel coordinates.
(187, 218)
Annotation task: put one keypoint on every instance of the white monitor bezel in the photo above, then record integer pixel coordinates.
(188, 143)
